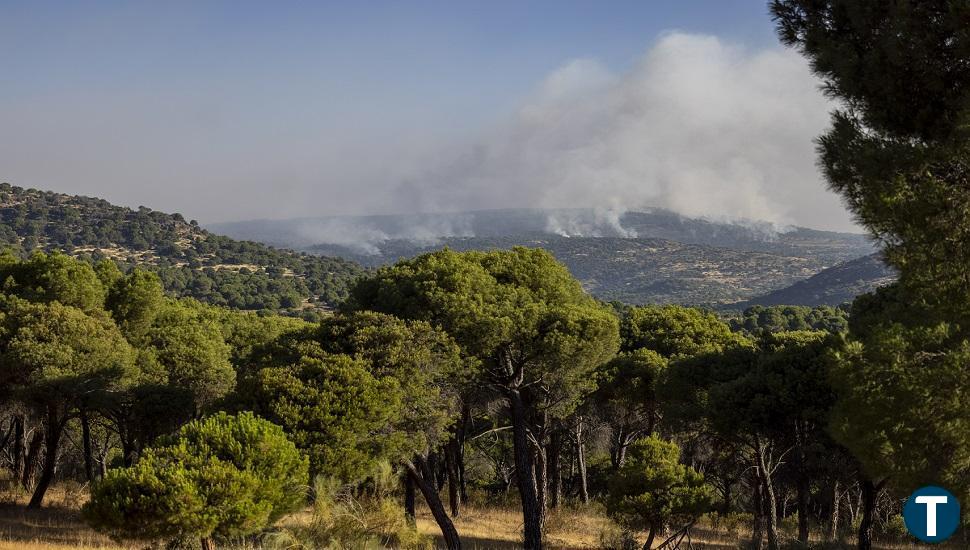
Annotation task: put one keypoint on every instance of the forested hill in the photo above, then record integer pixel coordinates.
(190, 260)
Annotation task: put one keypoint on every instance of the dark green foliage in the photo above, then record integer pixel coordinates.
(225, 476)
(757, 320)
(901, 407)
(56, 354)
(675, 332)
(134, 302)
(191, 351)
(190, 261)
(336, 410)
(626, 398)
(357, 389)
(53, 277)
(653, 488)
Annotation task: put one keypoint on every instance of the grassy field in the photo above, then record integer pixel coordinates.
(58, 526)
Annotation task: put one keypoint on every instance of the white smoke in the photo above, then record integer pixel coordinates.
(598, 222)
(699, 126)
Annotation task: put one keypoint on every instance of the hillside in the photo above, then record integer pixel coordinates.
(190, 260)
(379, 239)
(636, 271)
(653, 256)
(833, 286)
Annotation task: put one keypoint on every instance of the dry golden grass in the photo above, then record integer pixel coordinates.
(58, 526)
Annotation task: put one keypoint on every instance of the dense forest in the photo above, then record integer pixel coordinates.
(456, 381)
(189, 260)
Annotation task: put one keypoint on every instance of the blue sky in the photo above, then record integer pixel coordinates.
(149, 102)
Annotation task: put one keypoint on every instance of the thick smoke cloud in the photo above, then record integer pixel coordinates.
(696, 125)
(699, 126)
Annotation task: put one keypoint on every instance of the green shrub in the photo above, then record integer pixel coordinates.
(653, 488)
(223, 476)
(351, 517)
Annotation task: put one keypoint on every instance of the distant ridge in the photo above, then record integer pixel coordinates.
(833, 286)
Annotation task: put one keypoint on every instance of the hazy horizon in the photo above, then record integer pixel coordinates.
(235, 111)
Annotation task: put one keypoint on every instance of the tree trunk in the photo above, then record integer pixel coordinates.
(581, 463)
(86, 444)
(30, 459)
(454, 490)
(409, 500)
(728, 497)
(769, 503)
(833, 532)
(207, 543)
(617, 449)
(51, 442)
(19, 446)
(758, 529)
(424, 477)
(542, 482)
(802, 482)
(466, 416)
(650, 536)
(553, 470)
(525, 473)
(870, 494)
(803, 496)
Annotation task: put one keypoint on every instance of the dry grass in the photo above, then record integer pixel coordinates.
(58, 526)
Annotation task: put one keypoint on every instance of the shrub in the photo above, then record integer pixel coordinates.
(351, 517)
(223, 476)
(653, 488)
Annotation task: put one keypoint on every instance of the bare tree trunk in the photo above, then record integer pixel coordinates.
(19, 446)
(423, 477)
(870, 494)
(207, 543)
(581, 463)
(86, 445)
(769, 503)
(31, 458)
(542, 482)
(833, 531)
(525, 473)
(51, 442)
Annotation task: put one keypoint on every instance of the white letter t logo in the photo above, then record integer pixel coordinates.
(931, 503)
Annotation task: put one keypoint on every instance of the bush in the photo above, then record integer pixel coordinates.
(616, 538)
(653, 488)
(223, 476)
(736, 523)
(350, 517)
